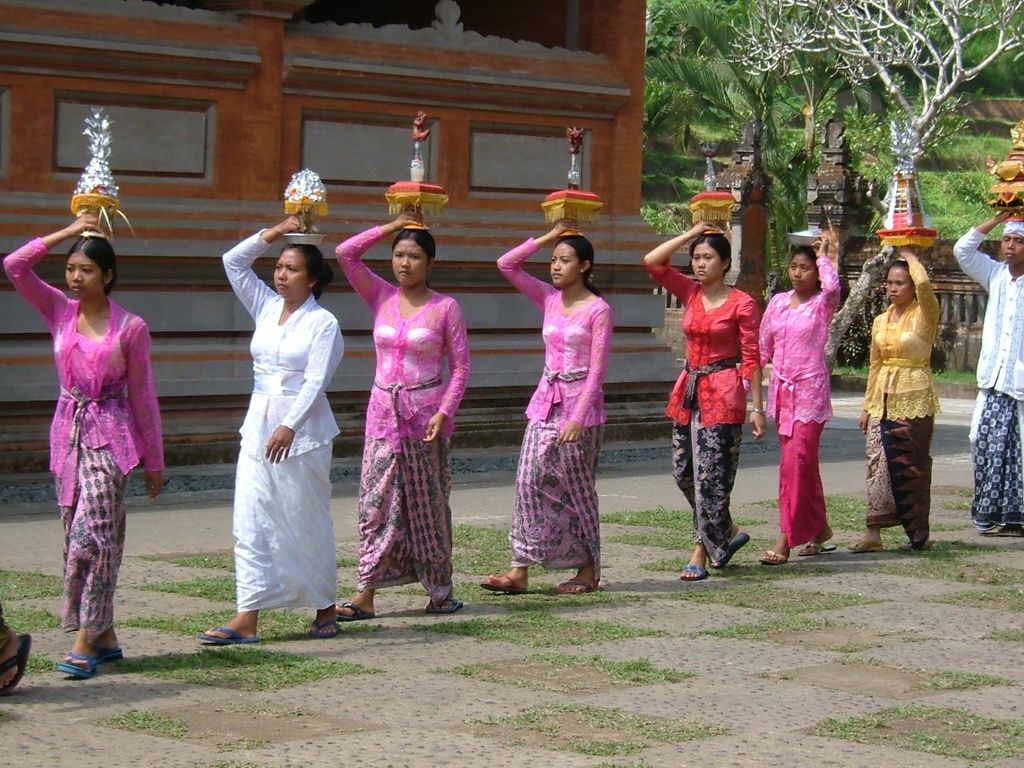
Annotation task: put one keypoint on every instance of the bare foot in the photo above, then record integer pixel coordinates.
(243, 622)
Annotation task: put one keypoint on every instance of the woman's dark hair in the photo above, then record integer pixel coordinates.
(421, 237)
(316, 266)
(896, 264)
(808, 253)
(99, 251)
(584, 252)
(719, 243)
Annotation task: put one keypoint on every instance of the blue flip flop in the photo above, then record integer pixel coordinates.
(233, 638)
(691, 568)
(737, 543)
(455, 606)
(324, 630)
(358, 614)
(76, 671)
(19, 660)
(103, 655)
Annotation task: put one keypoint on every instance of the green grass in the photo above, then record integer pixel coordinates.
(147, 721)
(229, 764)
(764, 630)
(949, 561)
(539, 598)
(274, 626)
(1010, 635)
(624, 732)
(996, 599)
(224, 561)
(948, 732)
(956, 680)
(767, 598)
(659, 517)
(658, 538)
(26, 585)
(638, 672)
(845, 513)
(245, 668)
(30, 619)
(539, 630)
(945, 376)
(219, 588)
(480, 550)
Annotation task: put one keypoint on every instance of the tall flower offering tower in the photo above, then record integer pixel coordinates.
(306, 197)
(96, 191)
(1008, 191)
(905, 222)
(572, 203)
(417, 195)
(712, 206)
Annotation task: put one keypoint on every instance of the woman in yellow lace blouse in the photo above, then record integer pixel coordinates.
(900, 407)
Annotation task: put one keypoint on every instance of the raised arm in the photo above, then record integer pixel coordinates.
(659, 263)
(972, 261)
(828, 269)
(47, 300)
(926, 299)
(250, 290)
(511, 266)
(373, 290)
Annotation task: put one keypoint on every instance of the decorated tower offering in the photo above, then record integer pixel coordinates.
(96, 191)
(905, 222)
(572, 202)
(712, 206)
(1009, 189)
(416, 195)
(306, 197)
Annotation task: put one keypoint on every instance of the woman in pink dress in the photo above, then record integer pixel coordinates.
(708, 404)
(794, 330)
(405, 521)
(107, 422)
(555, 522)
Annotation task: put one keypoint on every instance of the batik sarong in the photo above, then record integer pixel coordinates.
(284, 535)
(900, 475)
(94, 534)
(801, 496)
(704, 462)
(405, 521)
(555, 521)
(998, 480)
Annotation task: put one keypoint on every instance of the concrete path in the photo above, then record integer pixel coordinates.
(838, 637)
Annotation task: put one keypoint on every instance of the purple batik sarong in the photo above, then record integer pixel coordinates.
(556, 510)
(405, 522)
(94, 534)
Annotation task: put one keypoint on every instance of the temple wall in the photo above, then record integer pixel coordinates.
(214, 110)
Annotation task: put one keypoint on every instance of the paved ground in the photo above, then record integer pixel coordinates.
(841, 636)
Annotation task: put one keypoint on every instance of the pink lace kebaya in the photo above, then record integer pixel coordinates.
(113, 375)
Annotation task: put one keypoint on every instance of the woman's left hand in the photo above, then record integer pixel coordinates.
(435, 427)
(570, 433)
(759, 423)
(279, 444)
(154, 483)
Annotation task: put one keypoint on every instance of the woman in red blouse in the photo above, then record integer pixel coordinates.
(709, 401)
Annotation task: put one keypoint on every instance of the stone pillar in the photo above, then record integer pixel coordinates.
(835, 192)
(750, 185)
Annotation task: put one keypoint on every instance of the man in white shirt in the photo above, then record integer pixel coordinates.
(998, 421)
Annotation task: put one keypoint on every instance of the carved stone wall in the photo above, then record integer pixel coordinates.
(215, 109)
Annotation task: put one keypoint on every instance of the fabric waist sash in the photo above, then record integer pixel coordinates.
(554, 393)
(69, 472)
(396, 389)
(696, 374)
(266, 383)
(902, 362)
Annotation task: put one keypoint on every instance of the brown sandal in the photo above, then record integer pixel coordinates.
(864, 545)
(771, 557)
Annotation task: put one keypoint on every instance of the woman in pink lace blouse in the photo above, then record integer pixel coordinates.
(107, 422)
(555, 522)
(794, 330)
(405, 521)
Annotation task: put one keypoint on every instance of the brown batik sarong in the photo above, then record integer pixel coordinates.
(900, 475)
